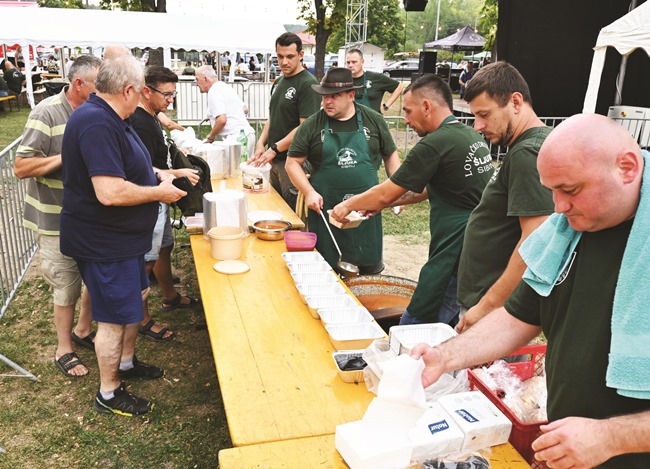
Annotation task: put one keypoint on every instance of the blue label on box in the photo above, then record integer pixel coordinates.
(438, 427)
(467, 416)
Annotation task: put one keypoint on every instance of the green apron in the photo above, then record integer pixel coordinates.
(363, 98)
(346, 169)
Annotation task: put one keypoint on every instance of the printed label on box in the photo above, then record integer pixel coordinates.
(466, 416)
(438, 427)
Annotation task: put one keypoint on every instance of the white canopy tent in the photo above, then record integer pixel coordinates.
(99, 28)
(626, 34)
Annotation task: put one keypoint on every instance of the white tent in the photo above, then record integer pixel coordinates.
(626, 34)
(98, 28)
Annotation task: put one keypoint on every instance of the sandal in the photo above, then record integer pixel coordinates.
(86, 342)
(159, 336)
(67, 362)
(176, 303)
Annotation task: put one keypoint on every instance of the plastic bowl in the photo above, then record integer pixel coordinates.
(300, 241)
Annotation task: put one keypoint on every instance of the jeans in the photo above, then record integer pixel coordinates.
(448, 312)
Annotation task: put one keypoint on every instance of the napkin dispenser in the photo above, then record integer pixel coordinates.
(225, 208)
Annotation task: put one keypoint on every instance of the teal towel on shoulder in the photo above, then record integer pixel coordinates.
(629, 355)
(547, 252)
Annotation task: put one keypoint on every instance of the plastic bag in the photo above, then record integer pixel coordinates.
(473, 460)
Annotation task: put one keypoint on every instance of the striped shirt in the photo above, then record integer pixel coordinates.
(42, 137)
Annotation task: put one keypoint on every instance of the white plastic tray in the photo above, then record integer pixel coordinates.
(403, 338)
(302, 256)
(321, 266)
(319, 289)
(354, 336)
(329, 301)
(356, 314)
(314, 277)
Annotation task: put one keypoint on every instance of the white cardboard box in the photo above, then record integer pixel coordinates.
(481, 421)
(363, 446)
(435, 434)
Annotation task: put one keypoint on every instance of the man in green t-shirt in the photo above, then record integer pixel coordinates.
(371, 86)
(345, 144)
(292, 101)
(592, 308)
(450, 166)
(513, 204)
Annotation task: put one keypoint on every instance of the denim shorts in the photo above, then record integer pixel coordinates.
(162, 233)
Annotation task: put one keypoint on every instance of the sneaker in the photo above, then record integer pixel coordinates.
(122, 403)
(142, 370)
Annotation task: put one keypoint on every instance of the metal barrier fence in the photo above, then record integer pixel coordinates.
(17, 244)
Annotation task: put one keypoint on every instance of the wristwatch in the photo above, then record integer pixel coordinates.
(274, 147)
(385, 107)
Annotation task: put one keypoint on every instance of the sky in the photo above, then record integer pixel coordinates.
(285, 11)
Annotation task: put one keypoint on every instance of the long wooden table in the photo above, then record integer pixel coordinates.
(270, 200)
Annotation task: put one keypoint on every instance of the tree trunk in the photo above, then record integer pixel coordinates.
(322, 35)
(156, 57)
(160, 6)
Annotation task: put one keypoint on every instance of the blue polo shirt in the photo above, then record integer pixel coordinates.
(97, 142)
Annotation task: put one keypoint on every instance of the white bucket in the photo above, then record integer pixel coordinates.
(225, 242)
(255, 178)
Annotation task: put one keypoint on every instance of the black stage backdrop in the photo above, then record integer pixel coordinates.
(551, 43)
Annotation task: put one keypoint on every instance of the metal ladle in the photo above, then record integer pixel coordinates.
(346, 268)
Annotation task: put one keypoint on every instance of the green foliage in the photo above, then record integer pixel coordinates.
(488, 23)
(74, 4)
(159, 6)
(384, 27)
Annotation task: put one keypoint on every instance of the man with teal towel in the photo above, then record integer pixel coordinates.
(595, 316)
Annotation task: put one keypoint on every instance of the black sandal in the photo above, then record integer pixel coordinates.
(159, 336)
(176, 303)
(67, 362)
(86, 342)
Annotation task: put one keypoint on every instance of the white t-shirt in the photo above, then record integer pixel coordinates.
(222, 99)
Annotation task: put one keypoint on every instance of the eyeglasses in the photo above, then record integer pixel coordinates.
(166, 94)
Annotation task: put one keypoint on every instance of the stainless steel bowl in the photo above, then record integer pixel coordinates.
(271, 230)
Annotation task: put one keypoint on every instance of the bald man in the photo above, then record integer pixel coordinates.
(595, 171)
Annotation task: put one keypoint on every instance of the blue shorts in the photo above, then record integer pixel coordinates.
(116, 289)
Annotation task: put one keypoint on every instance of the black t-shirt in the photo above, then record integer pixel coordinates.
(576, 319)
(152, 135)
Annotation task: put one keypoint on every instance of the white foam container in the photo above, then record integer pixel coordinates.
(314, 277)
(319, 266)
(403, 338)
(302, 256)
(329, 301)
(356, 314)
(354, 336)
(319, 289)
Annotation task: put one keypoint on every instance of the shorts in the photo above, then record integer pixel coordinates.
(116, 289)
(162, 234)
(59, 271)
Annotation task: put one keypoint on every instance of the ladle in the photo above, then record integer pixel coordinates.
(346, 268)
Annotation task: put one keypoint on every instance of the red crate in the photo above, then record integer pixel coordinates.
(522, 434)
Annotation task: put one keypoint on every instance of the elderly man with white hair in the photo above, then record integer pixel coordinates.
(110, 206)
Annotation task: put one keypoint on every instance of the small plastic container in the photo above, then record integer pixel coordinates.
(356, 314)
(403, 338)
(299, 257)
(314, 277)
(333, 301)
(348, 376)
(354, 336)
(225, 242)
(319, 289)
(255, 178)
(300, 241)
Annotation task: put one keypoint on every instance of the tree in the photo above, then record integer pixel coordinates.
(328, 16)
(488, 24)
(73, 4)
(384, 27)
(156, 6)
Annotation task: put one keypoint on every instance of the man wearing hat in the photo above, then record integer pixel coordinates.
(345, 144)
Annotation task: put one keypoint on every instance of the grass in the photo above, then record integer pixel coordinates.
(50, 423)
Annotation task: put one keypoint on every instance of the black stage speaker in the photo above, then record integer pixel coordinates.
(428, 61)
(415, 5)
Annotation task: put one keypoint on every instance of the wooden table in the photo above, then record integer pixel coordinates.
(274, 360)
(270, 200)
(320, 452)
(50, 75)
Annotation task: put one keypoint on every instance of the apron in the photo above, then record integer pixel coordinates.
(346, 170)
(362, 99)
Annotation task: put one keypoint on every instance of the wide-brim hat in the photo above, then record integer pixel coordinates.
(336, 79)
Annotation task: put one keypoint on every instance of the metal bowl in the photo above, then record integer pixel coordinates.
(271, 230)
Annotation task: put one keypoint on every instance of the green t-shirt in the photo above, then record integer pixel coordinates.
(454, 164)
(292, 98)
(308, 140)
(376, 84)
(493, 229)
(576, 319)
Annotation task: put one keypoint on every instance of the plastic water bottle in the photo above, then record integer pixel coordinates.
(244, 145)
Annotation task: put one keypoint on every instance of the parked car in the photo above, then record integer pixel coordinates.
(402, 68)
(330, 59)
(310, 62)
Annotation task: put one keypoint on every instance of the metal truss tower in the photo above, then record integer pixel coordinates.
(356, 24)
